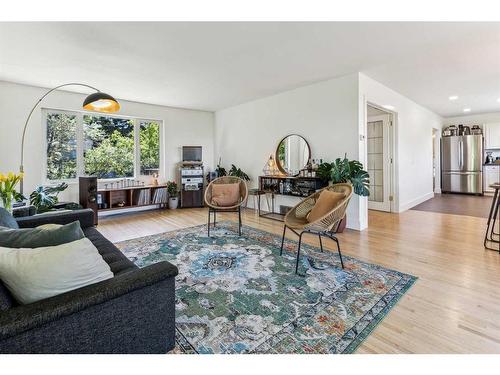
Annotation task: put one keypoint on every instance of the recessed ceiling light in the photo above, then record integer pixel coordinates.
(453, 97)
(466, 109)
(389, 107)
(498, 100)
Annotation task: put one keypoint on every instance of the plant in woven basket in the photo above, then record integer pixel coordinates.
(345, 170)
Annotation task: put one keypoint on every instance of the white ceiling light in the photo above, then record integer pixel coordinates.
(498, 100)
(453, 97)
(466, 109)
(389, 107)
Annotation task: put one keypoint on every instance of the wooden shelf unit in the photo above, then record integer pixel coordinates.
(114, 197)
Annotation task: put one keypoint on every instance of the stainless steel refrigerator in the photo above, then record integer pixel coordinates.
(462, 164)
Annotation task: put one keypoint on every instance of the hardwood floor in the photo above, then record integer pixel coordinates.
(458, 204)
(454, 307)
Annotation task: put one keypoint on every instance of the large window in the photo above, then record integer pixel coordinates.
(108, 146)
(61, 146)
(103, 146)
(149, 142)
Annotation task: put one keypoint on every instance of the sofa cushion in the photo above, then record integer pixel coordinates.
(40, 237)
(225, 195)
(7, 220)
(116, 260)
(326, 202)
(35, 274)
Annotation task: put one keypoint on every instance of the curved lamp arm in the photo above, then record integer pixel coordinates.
(21, 167)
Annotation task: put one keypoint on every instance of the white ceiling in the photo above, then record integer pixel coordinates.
(216, 65)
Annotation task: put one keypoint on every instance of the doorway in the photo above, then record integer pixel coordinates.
(380, 158)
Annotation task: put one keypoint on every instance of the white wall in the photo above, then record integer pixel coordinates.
(325, 114)
(413, 132)
(181, 127)
(478, 119)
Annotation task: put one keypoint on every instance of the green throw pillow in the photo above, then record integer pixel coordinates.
(40, 237)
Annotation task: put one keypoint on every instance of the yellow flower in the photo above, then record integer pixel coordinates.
(2, 177)
(11, 176)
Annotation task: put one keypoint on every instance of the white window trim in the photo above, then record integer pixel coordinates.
(80, 170)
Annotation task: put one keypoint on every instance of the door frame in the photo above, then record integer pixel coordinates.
(392, 138)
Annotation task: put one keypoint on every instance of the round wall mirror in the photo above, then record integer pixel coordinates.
(292, 154)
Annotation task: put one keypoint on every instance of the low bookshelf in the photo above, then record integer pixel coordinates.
(133, 196)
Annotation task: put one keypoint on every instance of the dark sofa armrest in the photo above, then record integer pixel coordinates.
(25, 317)
(85, 217)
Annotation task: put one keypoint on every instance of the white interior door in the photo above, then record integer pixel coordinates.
(379, 162)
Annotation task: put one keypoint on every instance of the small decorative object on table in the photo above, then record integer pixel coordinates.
(155, 179)
(8, 193)
(270, 169)
(173, 195)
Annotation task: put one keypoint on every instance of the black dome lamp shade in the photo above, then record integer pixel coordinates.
(101, 102)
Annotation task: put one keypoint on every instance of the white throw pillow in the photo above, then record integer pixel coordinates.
(35, 274)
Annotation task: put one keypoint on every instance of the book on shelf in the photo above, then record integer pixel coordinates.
(160, 195)
(142, 197)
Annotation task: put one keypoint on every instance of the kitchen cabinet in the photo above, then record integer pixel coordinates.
(491, 175)
(492, 136)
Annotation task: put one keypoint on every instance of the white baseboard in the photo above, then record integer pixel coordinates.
(406, 206)
(437, 190)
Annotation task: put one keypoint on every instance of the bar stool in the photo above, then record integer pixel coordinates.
(490, 234)
(256, 194)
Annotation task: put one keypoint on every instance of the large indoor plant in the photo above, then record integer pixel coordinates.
(8, 192)
(346, 171)
(237, 172)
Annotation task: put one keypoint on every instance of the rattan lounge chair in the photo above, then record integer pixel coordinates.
(326, 226)
(234, 208)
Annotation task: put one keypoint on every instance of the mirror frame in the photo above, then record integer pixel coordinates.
(278, 163)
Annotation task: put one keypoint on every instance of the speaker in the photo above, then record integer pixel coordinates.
(88, 194)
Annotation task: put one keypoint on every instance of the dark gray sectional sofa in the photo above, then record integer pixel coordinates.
(134, 312)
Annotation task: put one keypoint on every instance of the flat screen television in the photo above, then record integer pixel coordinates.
(191, 153)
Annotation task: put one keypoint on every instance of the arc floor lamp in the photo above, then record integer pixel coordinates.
(97, 102)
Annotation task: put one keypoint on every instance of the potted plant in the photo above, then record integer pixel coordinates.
(346, 171)
(173, 195)
(44, 198)
(8, 193)
(237, 172)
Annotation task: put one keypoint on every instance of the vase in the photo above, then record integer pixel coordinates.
(173, 202)
(7, 202)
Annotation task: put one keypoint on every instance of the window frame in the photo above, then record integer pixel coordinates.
(80, 167)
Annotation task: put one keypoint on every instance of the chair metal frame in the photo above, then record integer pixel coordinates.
(234, 208)
(325, 226)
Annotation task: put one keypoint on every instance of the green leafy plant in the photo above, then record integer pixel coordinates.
(172, 189)
(221, 171)
(345, 170)
(237, 172)
(44, 198)
(324, 171)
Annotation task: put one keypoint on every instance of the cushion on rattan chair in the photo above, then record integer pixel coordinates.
(225, 195)
(326, 202)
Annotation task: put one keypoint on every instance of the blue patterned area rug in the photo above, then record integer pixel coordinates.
(238, 295)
